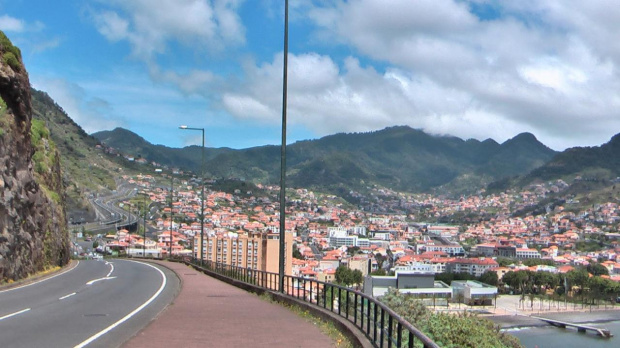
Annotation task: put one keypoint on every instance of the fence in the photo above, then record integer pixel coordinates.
(381, 325)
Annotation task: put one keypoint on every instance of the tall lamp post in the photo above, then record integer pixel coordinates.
(281, 264)
(202, 192)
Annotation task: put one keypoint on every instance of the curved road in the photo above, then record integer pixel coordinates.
(94, 304)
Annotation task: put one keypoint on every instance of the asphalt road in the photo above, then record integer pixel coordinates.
(95, 304)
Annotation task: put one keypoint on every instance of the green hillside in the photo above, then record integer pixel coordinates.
(401, 158)
(85, 168)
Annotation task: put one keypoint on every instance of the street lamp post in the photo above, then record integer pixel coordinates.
(281, 263)
(202, 192)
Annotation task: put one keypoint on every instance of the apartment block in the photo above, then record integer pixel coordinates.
(258, 251)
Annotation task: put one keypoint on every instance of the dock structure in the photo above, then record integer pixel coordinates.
(580, 327)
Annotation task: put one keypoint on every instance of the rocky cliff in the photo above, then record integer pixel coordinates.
(33, 232)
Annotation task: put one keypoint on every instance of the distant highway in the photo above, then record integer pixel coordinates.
(95, 304)
(108, 213)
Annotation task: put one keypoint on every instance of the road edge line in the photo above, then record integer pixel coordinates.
(134, 312)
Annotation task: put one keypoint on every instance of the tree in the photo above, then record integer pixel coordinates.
(380, 258)
(578, 277)
(597, 269)
(490, 277)
(346, 276)
(353, 250)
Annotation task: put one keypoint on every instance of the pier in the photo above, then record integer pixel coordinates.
(580, 328)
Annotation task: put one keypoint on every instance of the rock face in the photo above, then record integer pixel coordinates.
(33, 229)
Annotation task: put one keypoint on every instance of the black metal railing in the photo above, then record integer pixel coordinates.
(381, 325)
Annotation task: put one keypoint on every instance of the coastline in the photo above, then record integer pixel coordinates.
(506, 322)
(509, 312)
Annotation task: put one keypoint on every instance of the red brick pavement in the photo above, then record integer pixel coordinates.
(211, 313)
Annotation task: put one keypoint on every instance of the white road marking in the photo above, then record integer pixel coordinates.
(42, 280)
(96, 280)
(134, 312)
(111, 270)
(64, 297)
(13, 314)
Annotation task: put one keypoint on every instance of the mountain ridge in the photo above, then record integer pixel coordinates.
(399, 157)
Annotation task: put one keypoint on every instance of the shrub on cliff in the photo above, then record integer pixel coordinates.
(12, 54)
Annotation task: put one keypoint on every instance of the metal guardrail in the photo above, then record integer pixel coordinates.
(381, 325)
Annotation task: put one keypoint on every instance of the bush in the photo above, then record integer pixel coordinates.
(10, 59)
(449, 330)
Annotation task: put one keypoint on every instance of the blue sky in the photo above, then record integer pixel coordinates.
(470, 68)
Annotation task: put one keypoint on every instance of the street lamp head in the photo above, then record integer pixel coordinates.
(183, 127)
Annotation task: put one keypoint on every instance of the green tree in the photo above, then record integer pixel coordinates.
(297, 253)
(490, 277)
(597, 269)
(346, 276)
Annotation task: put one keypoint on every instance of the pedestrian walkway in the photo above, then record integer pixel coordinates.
(211, 313)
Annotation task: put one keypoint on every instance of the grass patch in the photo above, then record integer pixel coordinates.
(46, 271)
(326, 327)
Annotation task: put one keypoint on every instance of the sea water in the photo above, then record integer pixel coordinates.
(551, 336)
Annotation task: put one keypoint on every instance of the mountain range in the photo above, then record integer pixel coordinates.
(399, 157)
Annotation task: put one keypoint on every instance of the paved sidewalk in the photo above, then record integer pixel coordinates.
(211, 313)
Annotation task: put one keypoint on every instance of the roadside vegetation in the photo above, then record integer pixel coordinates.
(449, 330)
(327, 327)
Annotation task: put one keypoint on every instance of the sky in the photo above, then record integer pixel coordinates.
(469, 68)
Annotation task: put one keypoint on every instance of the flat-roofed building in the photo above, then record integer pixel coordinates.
(418, 284)
(473, 292)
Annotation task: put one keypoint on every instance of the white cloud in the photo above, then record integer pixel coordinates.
(92, 114)
(112, 26)
(8, 23)
(151, 26)
(156, 28)
(548, 67)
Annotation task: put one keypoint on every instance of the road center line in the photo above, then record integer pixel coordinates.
(134, 312)
(111, 270)
(64, 297)
(96, 280)
(13, 314)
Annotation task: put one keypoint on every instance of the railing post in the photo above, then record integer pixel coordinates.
(368, 319)
(399, 335)
(339, 297)
(410, 343)
(390, 331)
(355, 310)
(347, 306)
(374, 320)
(382, 331)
